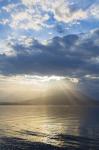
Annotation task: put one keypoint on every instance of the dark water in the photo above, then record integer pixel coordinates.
(49, 127)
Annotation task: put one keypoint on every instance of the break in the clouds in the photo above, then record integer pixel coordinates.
(73, 56)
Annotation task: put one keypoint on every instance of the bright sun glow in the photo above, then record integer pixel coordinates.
(31, 86)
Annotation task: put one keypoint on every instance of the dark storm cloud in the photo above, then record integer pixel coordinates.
(72, 54)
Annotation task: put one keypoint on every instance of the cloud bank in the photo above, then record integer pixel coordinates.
(76, 55)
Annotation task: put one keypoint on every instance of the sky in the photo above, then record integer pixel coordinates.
(45, 41)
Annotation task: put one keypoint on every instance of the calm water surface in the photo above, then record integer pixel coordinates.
(49, 124)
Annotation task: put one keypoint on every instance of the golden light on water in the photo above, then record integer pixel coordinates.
(39, 123)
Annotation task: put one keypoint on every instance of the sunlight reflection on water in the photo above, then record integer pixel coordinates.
(47, 123)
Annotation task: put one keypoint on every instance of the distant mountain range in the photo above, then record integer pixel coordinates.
(58, 98)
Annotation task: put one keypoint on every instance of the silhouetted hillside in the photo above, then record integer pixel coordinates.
(58, 98)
